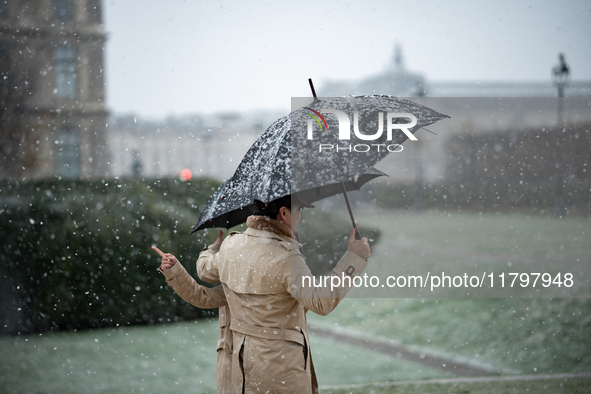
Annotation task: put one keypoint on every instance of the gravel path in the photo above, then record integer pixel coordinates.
(448, 365)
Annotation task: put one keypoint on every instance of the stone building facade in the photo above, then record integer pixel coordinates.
(52, 110)
(476, 108)
(209, 145)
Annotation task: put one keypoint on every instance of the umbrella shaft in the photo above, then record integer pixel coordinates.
(357, 235)
(313, 90)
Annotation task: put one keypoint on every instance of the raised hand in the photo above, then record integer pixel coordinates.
(358, 246)
(168, 260)
(219, 239)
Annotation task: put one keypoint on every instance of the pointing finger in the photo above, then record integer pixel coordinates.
(158, 251)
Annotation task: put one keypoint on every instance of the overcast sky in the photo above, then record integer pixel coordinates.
(186, 56)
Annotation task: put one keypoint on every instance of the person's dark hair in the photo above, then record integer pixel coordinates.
(272, 208)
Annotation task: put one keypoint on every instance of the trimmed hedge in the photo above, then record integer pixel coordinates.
(535, 198)
(76, 254)
(324, 235)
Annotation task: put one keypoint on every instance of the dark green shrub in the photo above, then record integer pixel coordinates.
(484, 196)
(324, 235)
(76, 254)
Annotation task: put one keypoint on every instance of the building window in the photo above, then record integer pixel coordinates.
(65, 71)
(63, 9)
(68, 153)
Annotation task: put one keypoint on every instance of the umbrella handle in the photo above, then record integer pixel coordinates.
(357, 235)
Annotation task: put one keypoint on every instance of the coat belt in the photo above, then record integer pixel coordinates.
(285, 334)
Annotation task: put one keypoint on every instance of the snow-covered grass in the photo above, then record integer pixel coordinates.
(174, 358)
(337, 363)
(506, 335)
(499, 233)
(543, 385)
(534, 335)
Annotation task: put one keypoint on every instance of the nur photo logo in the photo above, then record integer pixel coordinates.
(393, 125)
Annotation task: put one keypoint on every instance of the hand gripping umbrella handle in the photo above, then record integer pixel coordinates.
(357, 235)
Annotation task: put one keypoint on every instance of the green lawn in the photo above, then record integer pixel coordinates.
(180, 357)
(532, 335)
(498, 233)
(538, 386)
(174, 358)
(148, 359)
(337, 363)
(510, 336)
(458, 243)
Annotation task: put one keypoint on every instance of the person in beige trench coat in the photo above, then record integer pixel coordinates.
(261, 271)
(206, 298)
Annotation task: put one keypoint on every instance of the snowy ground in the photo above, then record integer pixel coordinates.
(175, 358)
(521, 335)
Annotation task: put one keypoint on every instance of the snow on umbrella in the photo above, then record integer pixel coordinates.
(287, 158)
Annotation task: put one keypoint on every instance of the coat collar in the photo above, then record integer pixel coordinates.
(260, 226)
(265, 224)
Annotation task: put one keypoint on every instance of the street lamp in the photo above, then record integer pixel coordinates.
(561, 75)
(560, 79)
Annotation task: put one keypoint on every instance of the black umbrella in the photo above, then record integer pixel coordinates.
(285, 160)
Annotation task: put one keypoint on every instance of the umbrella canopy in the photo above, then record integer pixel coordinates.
(288, 157)
(226, 209)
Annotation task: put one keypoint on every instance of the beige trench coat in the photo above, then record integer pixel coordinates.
(203, 297)
(270, 334)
